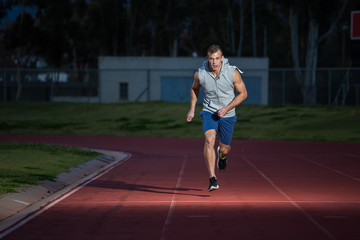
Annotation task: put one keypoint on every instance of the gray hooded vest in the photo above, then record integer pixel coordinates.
(219, 91)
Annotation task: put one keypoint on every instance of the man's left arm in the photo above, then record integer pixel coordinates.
(241, 89)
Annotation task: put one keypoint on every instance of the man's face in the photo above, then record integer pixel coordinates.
(215, 60)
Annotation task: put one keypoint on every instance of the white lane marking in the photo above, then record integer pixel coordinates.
(22, 202)
(318, 225)
(172, 205)
(329, 168)
(37, 213)
(351, 155)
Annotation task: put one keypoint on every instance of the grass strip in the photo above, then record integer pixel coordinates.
(22, 165)
(162, 119)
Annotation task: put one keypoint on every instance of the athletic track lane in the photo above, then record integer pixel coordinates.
(270, 190)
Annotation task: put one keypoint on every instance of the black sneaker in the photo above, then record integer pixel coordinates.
(221, 162)
(213, 184)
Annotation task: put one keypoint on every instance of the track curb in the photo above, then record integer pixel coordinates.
(16, 206)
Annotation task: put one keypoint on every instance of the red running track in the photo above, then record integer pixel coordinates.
(270, 190)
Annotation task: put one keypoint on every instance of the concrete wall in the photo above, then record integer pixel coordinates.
(144, 74)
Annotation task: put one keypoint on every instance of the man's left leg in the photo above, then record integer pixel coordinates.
(223, 150)
(226, 129)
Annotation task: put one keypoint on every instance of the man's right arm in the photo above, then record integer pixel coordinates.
(194, 94)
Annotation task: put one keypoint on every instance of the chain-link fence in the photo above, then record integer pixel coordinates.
(47, 85)
(334, 86)
(340, 86)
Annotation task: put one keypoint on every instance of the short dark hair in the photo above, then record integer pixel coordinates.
(213, 49)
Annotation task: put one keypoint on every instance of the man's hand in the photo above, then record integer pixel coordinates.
(190, 116)
(222, 112)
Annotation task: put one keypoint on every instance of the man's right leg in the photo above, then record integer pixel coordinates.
(209, 151)
(210, 124)
(210, 158)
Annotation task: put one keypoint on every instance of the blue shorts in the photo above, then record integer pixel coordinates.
(223, 126)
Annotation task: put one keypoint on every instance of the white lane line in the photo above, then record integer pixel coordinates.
(22, 202)
(351, 155)
(328, 168)
(172, 205)
(318, 225)
(37, 213)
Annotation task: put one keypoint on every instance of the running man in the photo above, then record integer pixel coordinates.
(219, 80)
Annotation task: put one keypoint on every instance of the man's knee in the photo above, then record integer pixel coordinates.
(210, 137)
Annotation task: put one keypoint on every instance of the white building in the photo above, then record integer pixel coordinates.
(169, 79)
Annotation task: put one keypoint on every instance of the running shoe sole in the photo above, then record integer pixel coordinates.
(213, 184)
(212, 188)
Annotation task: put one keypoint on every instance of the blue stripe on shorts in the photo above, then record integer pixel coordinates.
(223, 126)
